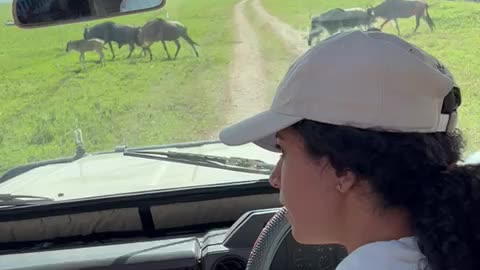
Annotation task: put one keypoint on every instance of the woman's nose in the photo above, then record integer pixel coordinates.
(276, 176)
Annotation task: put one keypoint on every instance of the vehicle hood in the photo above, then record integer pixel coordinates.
(113, 173)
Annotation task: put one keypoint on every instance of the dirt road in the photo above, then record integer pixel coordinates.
(293, 39)
(247, 76)
(247, 83)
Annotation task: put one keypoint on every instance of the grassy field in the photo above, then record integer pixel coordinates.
(455, 42)
(46, 95)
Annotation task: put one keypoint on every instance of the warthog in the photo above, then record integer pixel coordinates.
(113, 32)
(394, 9)
(334, 20)
(162, 30)
(83, 46)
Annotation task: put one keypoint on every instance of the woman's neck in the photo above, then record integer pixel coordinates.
(363, 227)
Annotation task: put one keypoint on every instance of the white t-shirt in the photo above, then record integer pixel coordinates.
(401, 254)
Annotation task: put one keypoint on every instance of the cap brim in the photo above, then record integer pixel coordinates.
(259, 129)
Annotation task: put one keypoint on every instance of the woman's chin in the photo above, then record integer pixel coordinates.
(289, 219)
(299, 239)
(308, 239)
(297, 233)
(298, 236)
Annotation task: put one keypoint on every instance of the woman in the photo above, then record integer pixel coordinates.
(366, 124)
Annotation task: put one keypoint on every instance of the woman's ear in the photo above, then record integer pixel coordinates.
(343, 181)
(346, 181)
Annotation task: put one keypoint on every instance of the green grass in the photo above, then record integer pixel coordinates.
(46, 95)
(455, 42)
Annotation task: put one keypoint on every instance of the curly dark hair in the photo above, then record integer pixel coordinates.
(417, 172)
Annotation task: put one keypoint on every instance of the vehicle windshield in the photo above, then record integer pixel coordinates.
(232, 55)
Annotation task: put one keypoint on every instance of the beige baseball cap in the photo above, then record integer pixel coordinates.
(369, 80)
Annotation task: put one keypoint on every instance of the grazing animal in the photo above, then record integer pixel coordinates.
(162, 30)
(113, 32)
(334, 20)
(83, 46)
(394, 9)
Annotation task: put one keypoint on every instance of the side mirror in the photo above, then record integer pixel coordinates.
(39, 13)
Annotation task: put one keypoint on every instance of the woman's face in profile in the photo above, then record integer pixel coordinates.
(309, 191)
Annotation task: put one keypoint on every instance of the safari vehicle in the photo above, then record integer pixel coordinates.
(117, 165)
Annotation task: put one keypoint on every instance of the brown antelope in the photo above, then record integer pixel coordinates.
(162, 30)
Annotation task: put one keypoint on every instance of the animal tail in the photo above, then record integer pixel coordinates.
(428, 18)
(188, 39)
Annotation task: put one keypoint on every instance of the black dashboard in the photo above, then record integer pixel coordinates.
(218, 249)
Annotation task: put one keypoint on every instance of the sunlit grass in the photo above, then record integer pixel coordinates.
(455, 42)
(45, 95)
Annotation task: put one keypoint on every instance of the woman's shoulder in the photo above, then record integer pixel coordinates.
(400, 254)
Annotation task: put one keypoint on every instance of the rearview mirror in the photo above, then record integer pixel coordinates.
(37, 13)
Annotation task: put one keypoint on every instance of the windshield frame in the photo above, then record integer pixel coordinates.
(138, 199)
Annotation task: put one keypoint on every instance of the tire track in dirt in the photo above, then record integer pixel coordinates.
(247, 85)
(292, 38)
(246, 95)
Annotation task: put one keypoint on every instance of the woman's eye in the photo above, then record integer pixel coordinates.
(278, 147)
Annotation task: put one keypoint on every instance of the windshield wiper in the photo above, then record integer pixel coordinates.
(11, 200)
(226, 163)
